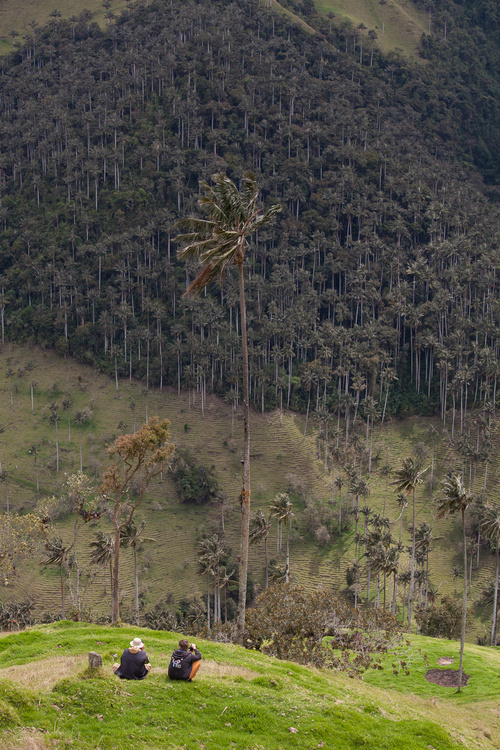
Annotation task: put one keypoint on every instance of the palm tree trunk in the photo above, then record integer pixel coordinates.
(493, 640)
(464, 607)
(245, 492)
(287, 574)
(412, 569)
(267, 565)
(208, 599)
(136, 577)
(62, 592)
(115, 611)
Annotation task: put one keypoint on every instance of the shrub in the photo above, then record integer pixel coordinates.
(195, 483)
(318, 628)
(16, 615)
(442, 620)
(161, 617)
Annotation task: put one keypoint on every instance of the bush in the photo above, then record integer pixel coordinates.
(195, 483)
(317, 628)
(442, 620)
(161, 617)
(16, 615)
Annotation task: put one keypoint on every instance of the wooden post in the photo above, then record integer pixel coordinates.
(95, 660)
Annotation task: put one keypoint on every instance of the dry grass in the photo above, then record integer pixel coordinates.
(26, 739)
(211, 668)
(42, 675)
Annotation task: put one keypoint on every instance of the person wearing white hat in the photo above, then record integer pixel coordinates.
(134, 663)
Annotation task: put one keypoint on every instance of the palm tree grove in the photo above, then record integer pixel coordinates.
(250, 373)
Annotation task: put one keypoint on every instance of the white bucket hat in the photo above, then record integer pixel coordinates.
(136, 643)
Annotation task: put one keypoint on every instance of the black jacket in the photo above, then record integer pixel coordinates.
(132, 666)
(181, 663)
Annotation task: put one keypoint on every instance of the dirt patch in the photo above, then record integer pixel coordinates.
(446, 677)
(445, 661)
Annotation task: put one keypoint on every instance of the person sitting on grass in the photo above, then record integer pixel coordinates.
(184, 662)
(134, 664)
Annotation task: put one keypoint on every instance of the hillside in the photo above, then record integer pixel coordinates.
(241, 699)
(399, 25)
(282, 458)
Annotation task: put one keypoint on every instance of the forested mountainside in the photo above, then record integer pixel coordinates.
(377, 284)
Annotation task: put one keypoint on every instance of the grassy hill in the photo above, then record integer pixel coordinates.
(241, 699)
(16, 18)
(398, 24)
(282, 458)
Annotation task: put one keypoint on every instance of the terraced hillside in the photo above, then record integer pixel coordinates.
(282, 458)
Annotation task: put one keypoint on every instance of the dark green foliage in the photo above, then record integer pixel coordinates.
(195, 483)
(442, 620)
(162, 616)
(380, 263)
(318, 628)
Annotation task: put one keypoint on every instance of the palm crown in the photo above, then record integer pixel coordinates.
(219, 240)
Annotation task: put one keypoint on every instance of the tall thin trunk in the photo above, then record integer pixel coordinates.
(115, 611)
(493, 640)
(412, 569)
(267, 566)
(136, 577)
(62, 592)
(464, 606)
(245, 492)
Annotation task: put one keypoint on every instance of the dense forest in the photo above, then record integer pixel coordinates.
(376, 288)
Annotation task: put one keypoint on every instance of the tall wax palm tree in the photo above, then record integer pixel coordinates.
(210, 552)
(220, 241)
(281, 508)
(455, 499)
(103, 552)
(260, 527)
(490, 527)
(58, 554)
(131, 536)
(408, 477)
(54, 419)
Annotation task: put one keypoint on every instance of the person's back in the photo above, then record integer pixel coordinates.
(184, 662)
(133, 662)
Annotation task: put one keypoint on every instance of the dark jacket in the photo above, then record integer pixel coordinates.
(181, 663)
(132, 666)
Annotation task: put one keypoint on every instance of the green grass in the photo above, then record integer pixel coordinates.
(241, 699)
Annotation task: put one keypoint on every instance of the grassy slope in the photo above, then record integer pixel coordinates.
(402, 28)
(240, 700)
(398, 24)
(279, 453)
(17, 16)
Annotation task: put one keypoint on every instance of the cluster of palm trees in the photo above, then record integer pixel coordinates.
(378, 273)
(214, 562)
(281, 508)
(62, 555)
